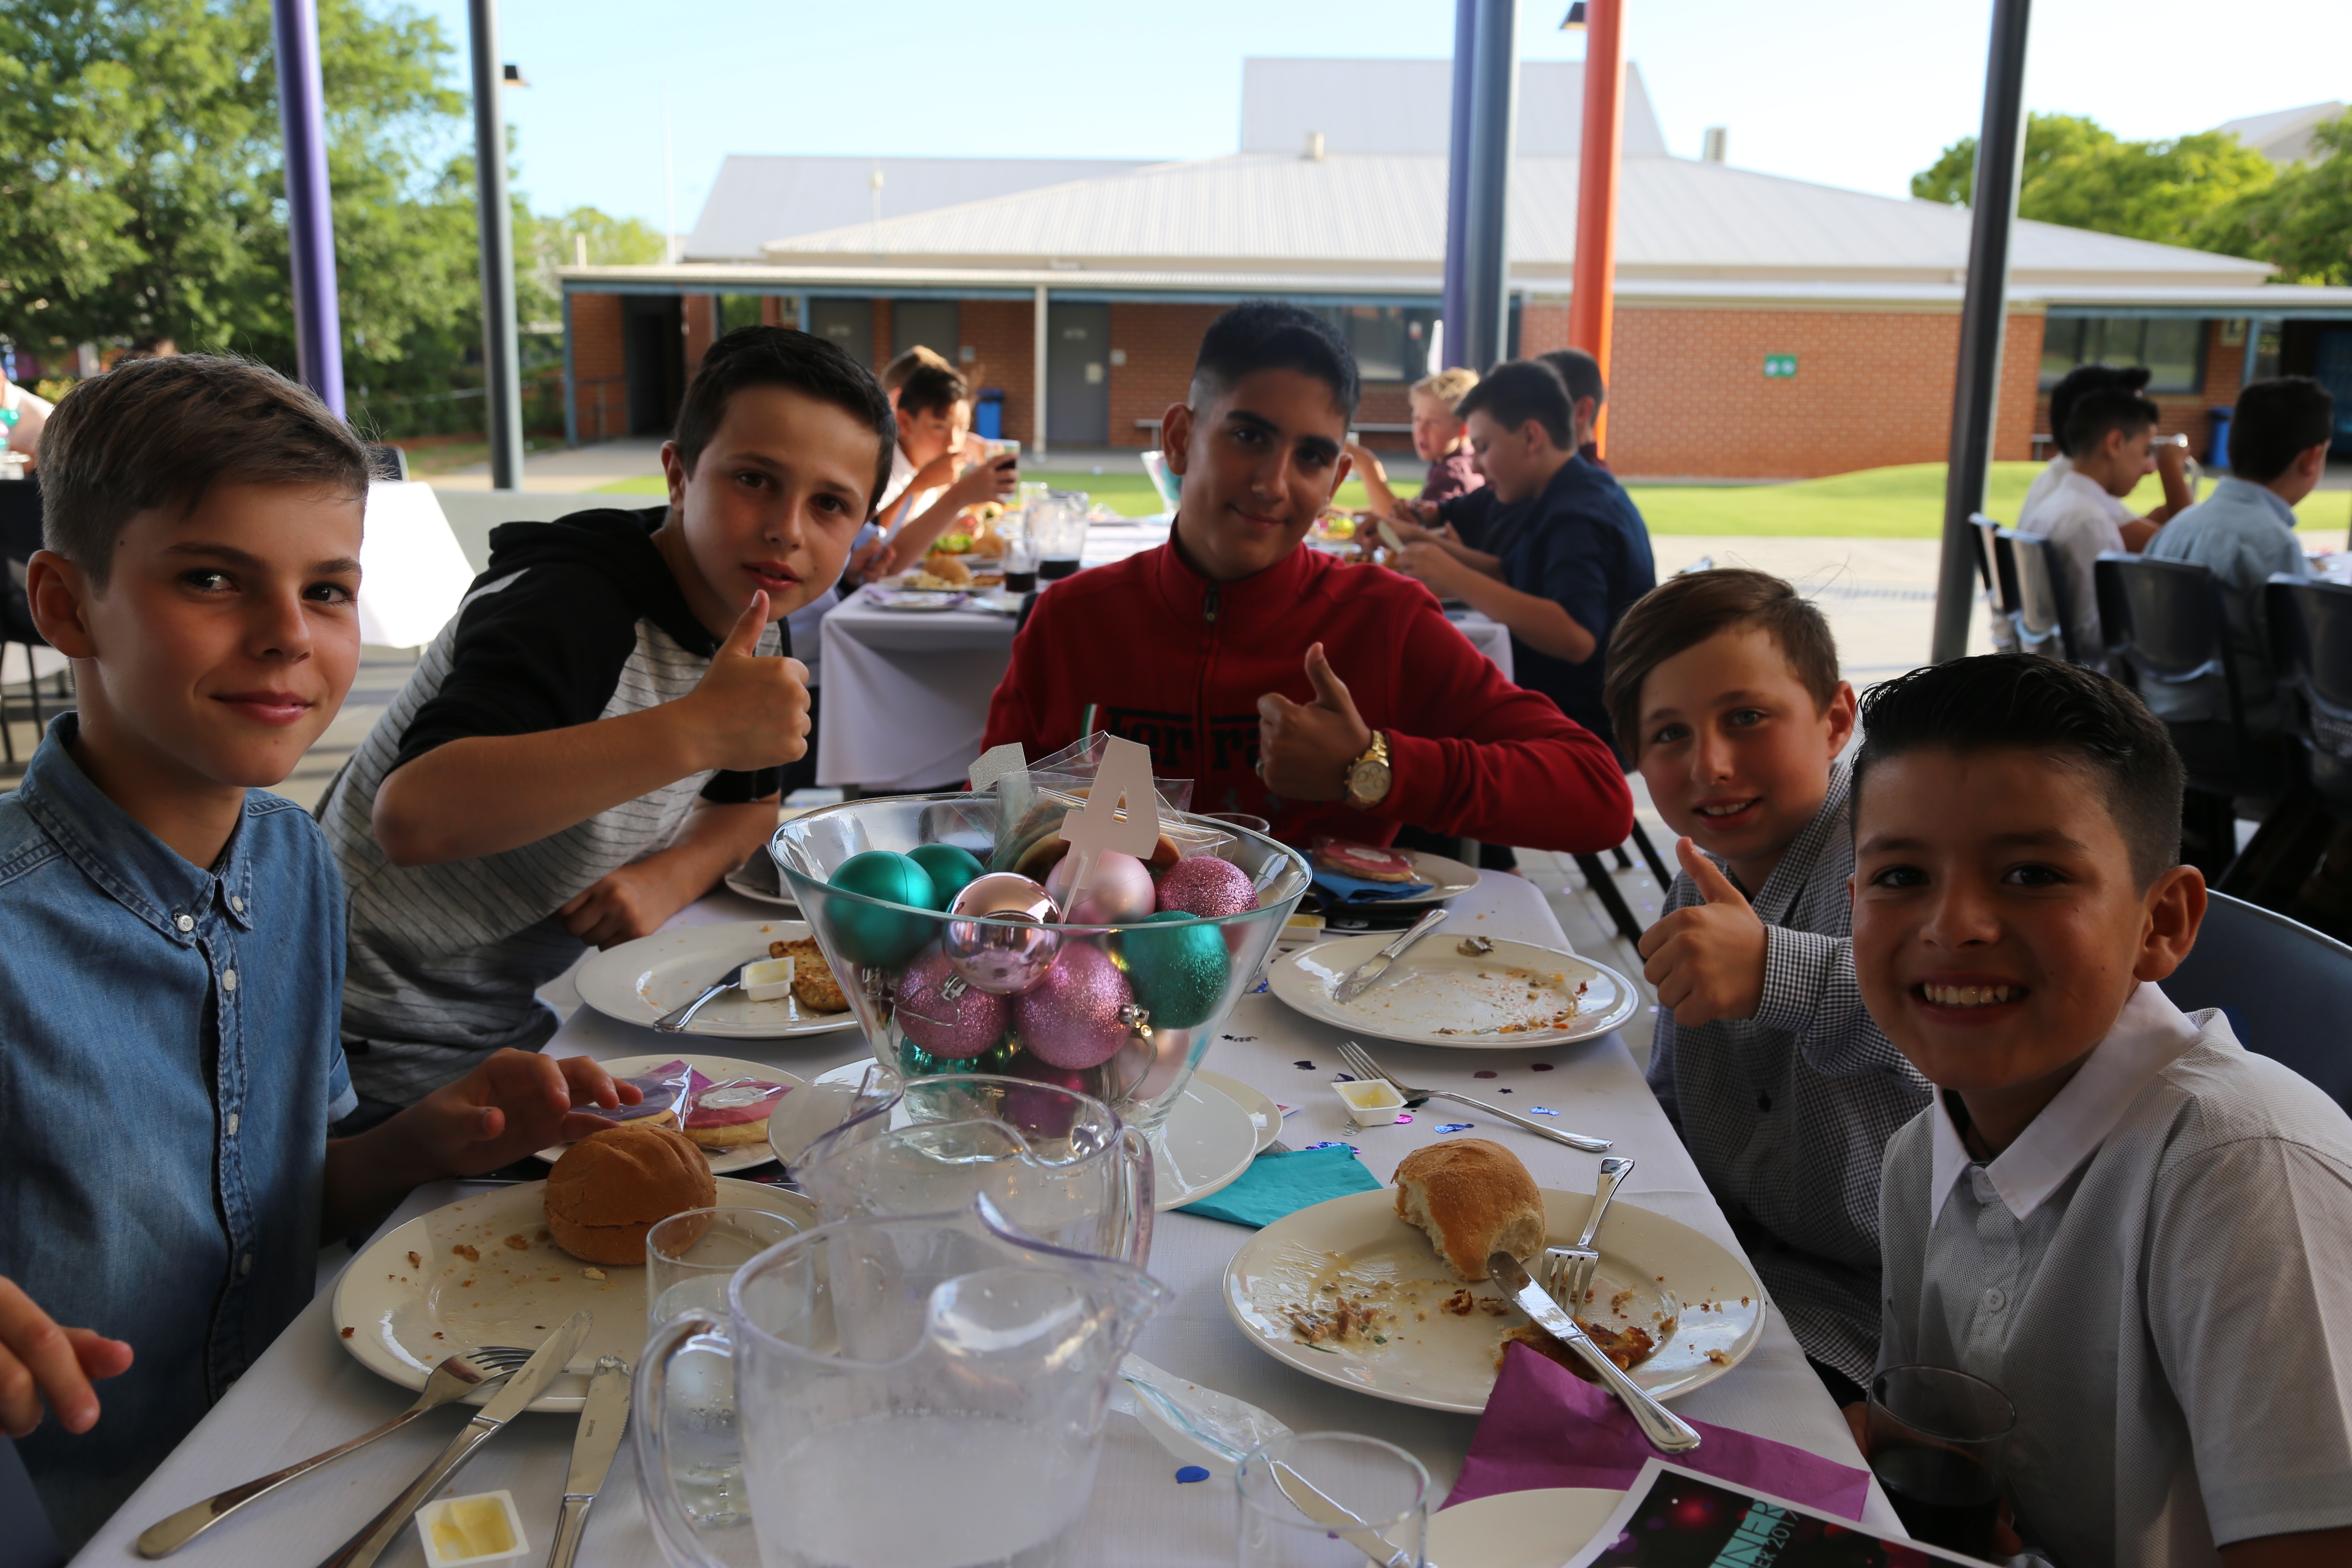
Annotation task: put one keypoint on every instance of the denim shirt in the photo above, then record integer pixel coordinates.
(169, 1063)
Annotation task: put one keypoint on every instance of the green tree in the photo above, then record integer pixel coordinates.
(581, 236)
(2302, 220)
(2077, 173)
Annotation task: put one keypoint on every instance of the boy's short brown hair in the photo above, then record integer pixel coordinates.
(894, 373)
(163, 432)
(1683, 612)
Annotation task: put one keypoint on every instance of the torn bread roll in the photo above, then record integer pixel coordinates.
(1474, 1199)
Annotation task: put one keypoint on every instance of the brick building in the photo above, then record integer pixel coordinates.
(1765, 328)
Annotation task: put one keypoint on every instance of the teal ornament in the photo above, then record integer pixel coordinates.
(1000, 1058)
(877, 937)
(950, 867)
(1178, 966)
(916, 1062)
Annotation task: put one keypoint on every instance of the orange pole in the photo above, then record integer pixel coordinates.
(1593, 305)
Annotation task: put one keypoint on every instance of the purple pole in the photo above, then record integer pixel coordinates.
(1455, 311)
(310, 212)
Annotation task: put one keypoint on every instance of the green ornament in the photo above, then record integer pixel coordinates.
(952, 869)
(1178, 972)
(997, 1059)
(880, 938)
(916, 1062)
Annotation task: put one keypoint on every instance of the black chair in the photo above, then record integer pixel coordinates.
(2285, 987)
(386, 462)
(20, 535)
(2311, 649)
(2044, 624)
(2165, 626)
(1995, 568)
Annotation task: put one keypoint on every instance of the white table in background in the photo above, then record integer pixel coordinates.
(413, 573)
(307, 1392)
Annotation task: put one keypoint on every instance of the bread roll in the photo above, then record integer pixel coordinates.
(613, 1186)
(1475, 1199)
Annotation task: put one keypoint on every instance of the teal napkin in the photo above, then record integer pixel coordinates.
(1279, 1183)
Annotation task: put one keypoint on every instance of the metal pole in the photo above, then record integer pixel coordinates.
(1037, 447)
(1494, 115)
(501, 358)
(1591, 308)
(310, 210)
(1455, 309)
(1975, 390)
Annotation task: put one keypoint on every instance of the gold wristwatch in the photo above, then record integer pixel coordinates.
(1369, 776)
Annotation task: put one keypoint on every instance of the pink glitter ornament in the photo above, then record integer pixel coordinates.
(1071, 1019)
(1122, 890)
(943, 1013)
(1207, 886)
(1002, 958)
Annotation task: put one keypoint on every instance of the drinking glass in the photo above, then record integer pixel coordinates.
(1331, 1499)
(1240, 819)
(690, 1260)
(1937, 1440)
(1019, 563)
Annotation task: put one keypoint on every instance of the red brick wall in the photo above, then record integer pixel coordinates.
(1161, 342)
(701, 328)
(599, 393)
(882, 355)
(771, 312)
(1000, 334)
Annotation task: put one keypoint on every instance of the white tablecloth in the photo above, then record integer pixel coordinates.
(413, 573)
(307, 1393)
(905, 700)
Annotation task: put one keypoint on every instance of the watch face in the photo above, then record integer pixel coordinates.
(1368, 781)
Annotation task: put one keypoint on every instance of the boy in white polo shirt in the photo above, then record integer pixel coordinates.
(2139, 1233)
(2108, 435)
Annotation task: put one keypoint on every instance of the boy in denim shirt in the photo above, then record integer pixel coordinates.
(169, 985)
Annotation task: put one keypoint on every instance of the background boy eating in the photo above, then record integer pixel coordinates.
(1726, 692)
(2139, 1233)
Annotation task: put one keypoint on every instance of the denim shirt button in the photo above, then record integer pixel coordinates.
(245, 1264)
(228, 979)
(186, 922)
(236, 904)
(235, 1120)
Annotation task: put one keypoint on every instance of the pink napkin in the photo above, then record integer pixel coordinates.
(1545, 1426)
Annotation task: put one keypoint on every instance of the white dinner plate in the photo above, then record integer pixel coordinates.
(762, 883)
(1438, 996)
(1260, 1107)
(717, 1069)
(640, 981)
(402, 1318)
(1440, 1360)
(1203, 1147)
(1520, 1530)
(919, 601)
(1447, 879)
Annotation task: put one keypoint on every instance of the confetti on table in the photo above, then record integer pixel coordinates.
(1331, 1143)
(1541, 1110)
(1502, 1092)
(1485, 1073)
(1404, 1116)
(1540, 1066)
(1190, 1473)
(1304, 1066)
(1343, 1077)
(1260, 989)
(1455, 1126)
(1244, 1038)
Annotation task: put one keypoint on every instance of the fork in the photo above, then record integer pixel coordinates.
(466, 1372)
(1567, 1270)
(1357, 1058)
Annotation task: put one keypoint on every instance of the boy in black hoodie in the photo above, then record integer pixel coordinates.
(595, 740)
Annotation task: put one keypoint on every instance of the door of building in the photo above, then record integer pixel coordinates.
(846, 323)
(653, 357)
(1077, 374)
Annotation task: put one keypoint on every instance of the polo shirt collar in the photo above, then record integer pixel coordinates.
(117, 852)
(2245, 493)
(2149, 1034)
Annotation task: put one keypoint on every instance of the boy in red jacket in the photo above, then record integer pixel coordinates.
(1328, 697)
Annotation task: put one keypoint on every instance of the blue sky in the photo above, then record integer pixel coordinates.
(1849, 92)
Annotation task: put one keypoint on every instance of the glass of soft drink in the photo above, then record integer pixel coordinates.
(1938, 1441)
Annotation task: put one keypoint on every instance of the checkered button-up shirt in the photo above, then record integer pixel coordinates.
(1788, 1114)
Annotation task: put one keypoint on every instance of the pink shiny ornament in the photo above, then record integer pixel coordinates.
(1207, 886)
(1002, 958)
(1121, 892)
(945, 1013)
(1071, 1019)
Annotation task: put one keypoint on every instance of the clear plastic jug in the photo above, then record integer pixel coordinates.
(1058, 1165)
(920, 1392)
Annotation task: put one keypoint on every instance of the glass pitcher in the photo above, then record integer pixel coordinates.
(1058, 1165)
(941, 1356)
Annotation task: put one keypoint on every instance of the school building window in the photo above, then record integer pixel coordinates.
(1391, 343)
(2172, 347)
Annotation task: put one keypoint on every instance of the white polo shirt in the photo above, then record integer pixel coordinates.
(2082, 519)
(2159, 1275)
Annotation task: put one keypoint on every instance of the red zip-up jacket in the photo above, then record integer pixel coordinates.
(1178, 662)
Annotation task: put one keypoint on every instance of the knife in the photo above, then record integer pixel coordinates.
(1354, 983)
(1309, 1501)
(601, 1421)
(1667, 1432)
(362, 1550)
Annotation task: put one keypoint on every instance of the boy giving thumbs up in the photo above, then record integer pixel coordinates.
(1723, 688)
(595, 740)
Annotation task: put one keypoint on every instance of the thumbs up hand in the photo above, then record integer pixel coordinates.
(1708, 961)
(1304, 749)
(750, 712)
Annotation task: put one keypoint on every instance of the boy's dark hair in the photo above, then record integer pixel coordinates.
(161, 433)
(1683, 612)
(1579, 372)
(1520, 390)
(2086, 378)
(2276, 421)
(779, 356)
(2065, 711)
(1270, 334)
(2106, 408)
(931, 389)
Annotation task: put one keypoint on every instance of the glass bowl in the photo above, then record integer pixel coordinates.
(1153, 995)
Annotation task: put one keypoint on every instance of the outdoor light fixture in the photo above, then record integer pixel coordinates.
(513, 77)
(1574, 21)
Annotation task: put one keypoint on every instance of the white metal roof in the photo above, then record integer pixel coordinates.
(2283, 135)
(756, 197)
(1386, 214)
(1405, 106)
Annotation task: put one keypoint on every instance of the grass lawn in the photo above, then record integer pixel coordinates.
(1129, 495)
